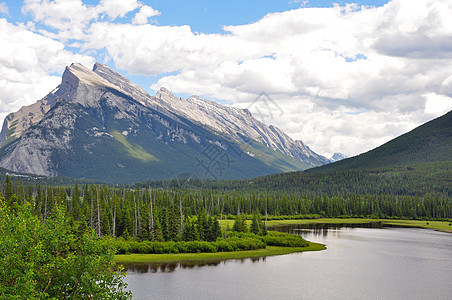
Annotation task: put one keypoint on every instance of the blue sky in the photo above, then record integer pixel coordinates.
(210, 16)
(348, 77)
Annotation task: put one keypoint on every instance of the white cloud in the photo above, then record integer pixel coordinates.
(437, 104)
(26, 60)
(4, 8)
(69, 19)
(119, 8)
(150, 49)
(348, 78)
(146, 12)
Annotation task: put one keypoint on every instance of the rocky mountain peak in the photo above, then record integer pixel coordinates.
(79, 82)
(84, 75)
(165, 95)
(121, 82)
(154, 136)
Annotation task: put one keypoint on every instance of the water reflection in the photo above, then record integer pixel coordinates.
(141, 268)
(311, 232)
(322, 229)
(360, 263)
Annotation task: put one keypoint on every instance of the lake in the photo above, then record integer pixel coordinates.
(360, 263)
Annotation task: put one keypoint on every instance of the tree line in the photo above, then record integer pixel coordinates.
(194, 214)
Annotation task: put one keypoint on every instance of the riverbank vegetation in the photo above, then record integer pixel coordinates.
(182, 257)
(234, 242)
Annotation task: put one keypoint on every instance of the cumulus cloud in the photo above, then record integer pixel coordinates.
(69, 19)
(146, 12)
(347, 77)
(26, 60)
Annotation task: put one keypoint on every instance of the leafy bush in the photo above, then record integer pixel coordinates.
(237, 241)
(284, 240)
(54, 260)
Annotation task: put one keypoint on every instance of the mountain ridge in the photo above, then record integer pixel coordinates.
(429, 142)
(101, 113)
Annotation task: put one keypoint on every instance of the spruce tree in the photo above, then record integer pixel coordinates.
(9, 190)
(202, 225)
(255, 224)
(76, 205)
(173, 224)
(216, 229)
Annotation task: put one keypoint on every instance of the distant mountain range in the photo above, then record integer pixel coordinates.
(337, 157)
(416, 163)
(430, 142)
(99, 125)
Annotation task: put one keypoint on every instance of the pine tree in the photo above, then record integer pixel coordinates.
(202, 225)
(164, 223)
(157, 232)
(216, 229)
(76, 205)
(9, 191)
(240, 224)
(190, 232)
(255, 224)
(173, 224)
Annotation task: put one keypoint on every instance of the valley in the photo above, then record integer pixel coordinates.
(164, 180)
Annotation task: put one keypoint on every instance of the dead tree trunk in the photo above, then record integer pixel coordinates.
(151, 216)
(98, 214)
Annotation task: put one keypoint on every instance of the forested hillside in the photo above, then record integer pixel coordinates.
(418, 179)
(430, 142)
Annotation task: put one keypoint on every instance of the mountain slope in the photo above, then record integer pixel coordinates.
(430, 142)
(236, 124)
(99, 125)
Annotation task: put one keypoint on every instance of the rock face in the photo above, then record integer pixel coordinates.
(99, 125)
(237, 124)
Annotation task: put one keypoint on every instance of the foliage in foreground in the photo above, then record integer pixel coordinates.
(49, 260)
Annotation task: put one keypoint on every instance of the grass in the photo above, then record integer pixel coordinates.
(437, 225)
(181, 257)
(135, 151)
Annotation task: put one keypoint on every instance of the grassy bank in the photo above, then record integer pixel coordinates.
(268, 251)
(438, 225)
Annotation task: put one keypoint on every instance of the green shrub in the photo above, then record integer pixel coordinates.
(284, 240)
(238, 241)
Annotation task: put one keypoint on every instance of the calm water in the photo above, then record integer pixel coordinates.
(360, 263)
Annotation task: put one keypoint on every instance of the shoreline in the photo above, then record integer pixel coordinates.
(442, 226)
(218, 256)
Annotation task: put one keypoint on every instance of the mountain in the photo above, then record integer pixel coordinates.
(430, 142)
(99, 125)
(337, 157)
